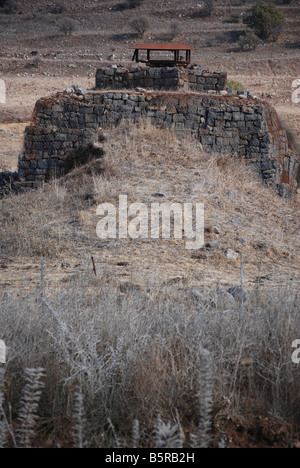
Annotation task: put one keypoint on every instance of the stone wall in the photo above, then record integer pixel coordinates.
(165, 78)
(64, 127)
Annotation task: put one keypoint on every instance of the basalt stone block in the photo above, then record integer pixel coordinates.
(57, 108)
(178, 118)
(219, 123)
(207, 139)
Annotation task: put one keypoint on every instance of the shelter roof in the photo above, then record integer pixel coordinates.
(163, 46)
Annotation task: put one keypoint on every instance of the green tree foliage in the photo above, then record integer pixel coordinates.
(266, 21)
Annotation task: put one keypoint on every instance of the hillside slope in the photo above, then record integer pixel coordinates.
(141, 162)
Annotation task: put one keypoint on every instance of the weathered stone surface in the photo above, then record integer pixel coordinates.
(10, 183)
(249, 130)
(165, 78)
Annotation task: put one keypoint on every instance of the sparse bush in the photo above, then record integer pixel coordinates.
(266, 21)
(57, 9)
(235, 85)
(249, 41)
(134, 3)
(140, 357)
(130, 4)
(231, 16)
(174, 29)
(233, 19)
(10, 6)
(30, 16)
(205, 9)
(67, 26)
(209, 6)
(230, 36)
(140, 24)
(35, 63)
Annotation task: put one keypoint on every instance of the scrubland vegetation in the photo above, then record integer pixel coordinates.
(150, 349)
(145, 362)
(139, 357)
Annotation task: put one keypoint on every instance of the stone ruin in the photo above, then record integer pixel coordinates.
(193, 78)
(191, 101)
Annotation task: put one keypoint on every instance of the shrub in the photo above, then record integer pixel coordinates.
(174, 29)
(235, 85)
(10, 6)
(35, 63)
(129, 4)
(205, 9)
(134, 3)
(209, 6)
(57, 9)
(249, 41)
(67, 26)
(30, 16)
(140, 24)
(230, 36)
(233, 19)
(266, 21)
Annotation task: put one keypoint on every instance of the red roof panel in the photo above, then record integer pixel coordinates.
(170, 47)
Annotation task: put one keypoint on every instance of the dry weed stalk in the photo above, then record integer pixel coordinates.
(29, 406)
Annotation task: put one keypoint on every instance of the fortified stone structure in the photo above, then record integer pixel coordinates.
(163, 78)
(65, 127)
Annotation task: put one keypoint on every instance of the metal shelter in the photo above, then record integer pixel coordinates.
(177, 49)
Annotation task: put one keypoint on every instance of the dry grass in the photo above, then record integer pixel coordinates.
(131, 337)
(137, 318)
(138, 355)
(59, 221)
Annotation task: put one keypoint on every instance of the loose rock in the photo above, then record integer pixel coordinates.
(231, 255)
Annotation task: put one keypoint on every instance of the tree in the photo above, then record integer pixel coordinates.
(140, 24)
(266, 20)
(67, 26)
